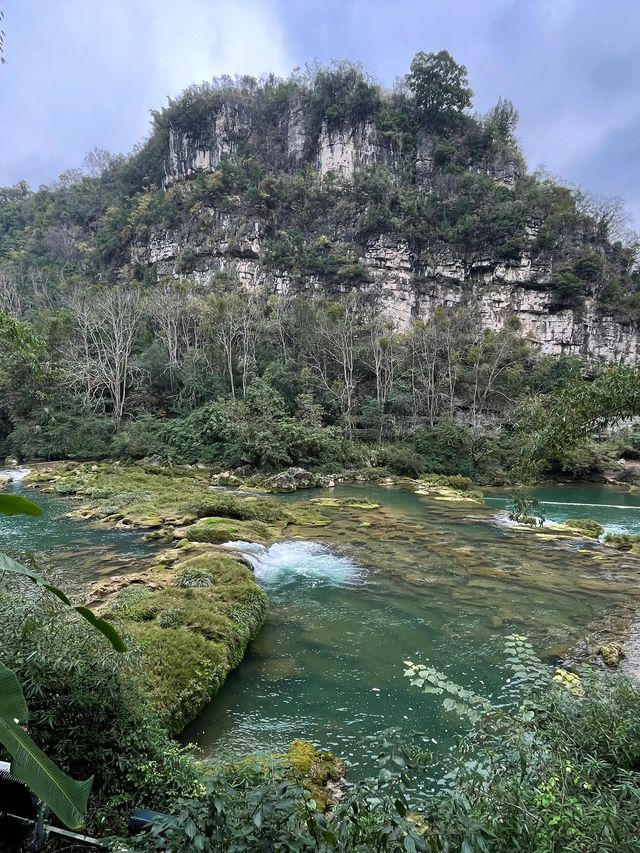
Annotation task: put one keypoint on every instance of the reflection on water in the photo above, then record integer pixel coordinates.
(415, 579)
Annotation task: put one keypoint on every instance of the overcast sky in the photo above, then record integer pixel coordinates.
(85, 73)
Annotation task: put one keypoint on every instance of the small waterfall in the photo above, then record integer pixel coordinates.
(288, 561)
(16, 474)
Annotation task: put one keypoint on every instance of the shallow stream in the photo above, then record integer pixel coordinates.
(418, 578)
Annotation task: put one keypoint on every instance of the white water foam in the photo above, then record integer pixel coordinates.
(595, 506)
(16, 474)
(285, 561)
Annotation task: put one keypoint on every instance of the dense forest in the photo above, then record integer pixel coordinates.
(303, 362)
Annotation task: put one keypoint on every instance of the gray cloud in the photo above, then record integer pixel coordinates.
(87, 72)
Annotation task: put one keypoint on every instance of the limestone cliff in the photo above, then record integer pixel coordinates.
(410, 287)
(510, 271)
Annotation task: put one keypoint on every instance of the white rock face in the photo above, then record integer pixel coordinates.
(296, 136)
(345, 150)
(410, 288)
(188, 156)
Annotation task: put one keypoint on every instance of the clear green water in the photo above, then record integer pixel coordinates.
(422, 580)
(616, 509)
(417, 578)
(73, 553)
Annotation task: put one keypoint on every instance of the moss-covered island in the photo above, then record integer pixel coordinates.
(195, 609)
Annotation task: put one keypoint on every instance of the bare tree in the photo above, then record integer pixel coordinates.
(99, 355)
(612, 218)
(333, 355)
(10, 298)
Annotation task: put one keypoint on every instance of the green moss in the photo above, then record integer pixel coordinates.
(307, 517)
(182, 671)
(316, 769)
(228, 505)
(624, 542)
(611, 654)
(586, 526)
(192, 636)
(219, 530)
(346, 503)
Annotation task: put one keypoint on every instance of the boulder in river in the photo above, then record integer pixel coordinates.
(291, 480)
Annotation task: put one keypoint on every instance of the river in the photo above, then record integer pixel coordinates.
(417, 578)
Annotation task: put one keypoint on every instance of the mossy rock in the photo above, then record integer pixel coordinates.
(623, 542)
(319, 771)
(611, 654)
(316, 766)
(307, 517)
(190, 634)
(586, 526)
(220, 530)
(346, 503)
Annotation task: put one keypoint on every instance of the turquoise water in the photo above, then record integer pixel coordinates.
(71, 552)
(616, 509)
(417, 579)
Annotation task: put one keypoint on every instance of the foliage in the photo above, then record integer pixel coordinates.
(587, 526)
(552, 425)
(86, 711)
(556, 769)
(266, 806)
(66, 797)
(445, 448)
(440, 87)
(526, 509)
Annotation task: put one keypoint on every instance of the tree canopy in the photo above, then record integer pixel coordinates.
(440, 86)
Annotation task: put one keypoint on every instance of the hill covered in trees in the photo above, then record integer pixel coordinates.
(312, 271)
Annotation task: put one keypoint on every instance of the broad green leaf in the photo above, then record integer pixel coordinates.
(12, 703)
(7, 564)
(105, 628)
(15, 505)
(64, 796)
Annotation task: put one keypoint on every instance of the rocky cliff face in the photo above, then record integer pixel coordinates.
(341, 151)
(408, 283)
(409, 287)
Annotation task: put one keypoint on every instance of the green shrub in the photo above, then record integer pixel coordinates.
(401, 459)
(445, 448)
(87, 712)
(587, 526)
(623, 541)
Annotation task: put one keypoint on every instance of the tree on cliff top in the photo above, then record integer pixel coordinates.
(440, 87)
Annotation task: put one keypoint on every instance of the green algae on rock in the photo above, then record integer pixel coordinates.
(219, 530)
(346, 503)
(586, 527)
(159, 499)
(190, 634)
